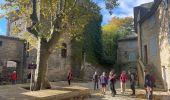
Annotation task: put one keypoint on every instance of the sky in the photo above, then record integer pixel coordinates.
(125, 9)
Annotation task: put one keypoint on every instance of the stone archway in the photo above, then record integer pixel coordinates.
(12, 65)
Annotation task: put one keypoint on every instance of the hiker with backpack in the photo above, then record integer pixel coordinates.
(149, 84)
(112, 79)
(103, 82)
(123, 79)
(132, 78)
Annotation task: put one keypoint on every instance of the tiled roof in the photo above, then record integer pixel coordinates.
(152, 11)
(11, 38)
(146, 11)
(128, 39)
(143, 10)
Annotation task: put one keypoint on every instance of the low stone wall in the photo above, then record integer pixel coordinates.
(89, 70)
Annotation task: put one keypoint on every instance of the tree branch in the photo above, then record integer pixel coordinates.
(34, 19)
(58, 26)
(56, 34)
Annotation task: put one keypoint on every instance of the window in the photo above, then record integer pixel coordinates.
(0, 43)
(132, 56)
(132, 44)
(64, 50)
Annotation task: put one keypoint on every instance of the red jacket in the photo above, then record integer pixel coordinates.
(14, 76)
(123, 78)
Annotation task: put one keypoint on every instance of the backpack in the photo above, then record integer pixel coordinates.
(148, 81)
(135, 76)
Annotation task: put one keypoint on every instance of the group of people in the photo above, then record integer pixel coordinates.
(110, 80)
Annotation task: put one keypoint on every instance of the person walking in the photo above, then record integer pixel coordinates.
(95, 80)
(123, 79)
(69, 77)
(132, 78)
(112, 79)
(14, 77)
(103, 82)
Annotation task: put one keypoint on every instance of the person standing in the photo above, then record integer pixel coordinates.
(123, 79)
(149, 84)
(103, 82)
(132, 82)
(69, 77)
(95, 79)
(14, 77)
(112, 79)
(28, 77)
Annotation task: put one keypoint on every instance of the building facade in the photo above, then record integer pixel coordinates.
(59, 61)
(152, 26)
(127, 53)
(12, 51)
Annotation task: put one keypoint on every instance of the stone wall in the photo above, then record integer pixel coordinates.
(58, 66)
(12, 49)
(89, 70)
(164, 43)
(154, 49)
(127, 54)
(126, 49)
(150, 45)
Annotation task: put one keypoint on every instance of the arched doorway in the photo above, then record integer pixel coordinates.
(11, 65)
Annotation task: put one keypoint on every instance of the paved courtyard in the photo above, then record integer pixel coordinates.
(77, 89)
(140, 93)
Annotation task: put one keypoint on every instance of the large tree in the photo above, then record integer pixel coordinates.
(49, 19)
(117, 28)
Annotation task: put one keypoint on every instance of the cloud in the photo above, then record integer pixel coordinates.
(125, 9)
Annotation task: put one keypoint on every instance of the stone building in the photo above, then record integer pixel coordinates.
(12, 51)
(127, 53)
(59, 62)
(152, 24)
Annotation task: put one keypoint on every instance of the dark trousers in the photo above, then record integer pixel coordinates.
(69, 82)
(13, 82)
(96, 85)
(133, 88)
(112, 88)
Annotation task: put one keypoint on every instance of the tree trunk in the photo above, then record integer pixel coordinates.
(41, 80)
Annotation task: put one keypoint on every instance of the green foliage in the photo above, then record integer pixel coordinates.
(116, 29)
(92, 43)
